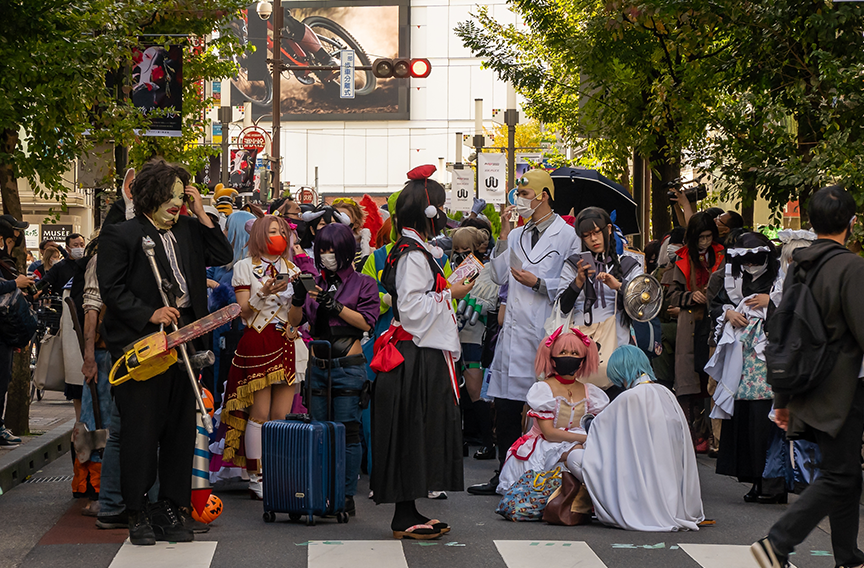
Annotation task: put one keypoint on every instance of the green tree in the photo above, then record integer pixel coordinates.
(791, 116)
(629, 78)
(64, 77)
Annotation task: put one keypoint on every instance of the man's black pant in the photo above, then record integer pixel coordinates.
(835, 493)
(508, 425)
(157, 419)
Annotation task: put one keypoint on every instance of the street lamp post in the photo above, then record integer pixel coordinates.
(264, 10)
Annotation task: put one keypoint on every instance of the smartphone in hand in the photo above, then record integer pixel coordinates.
(308, 281)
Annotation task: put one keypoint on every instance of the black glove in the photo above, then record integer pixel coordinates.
(299, 297)
(328, 303)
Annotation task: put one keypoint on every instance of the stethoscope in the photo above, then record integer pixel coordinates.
(522, 246)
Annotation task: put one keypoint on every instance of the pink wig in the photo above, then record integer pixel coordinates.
(571, 340)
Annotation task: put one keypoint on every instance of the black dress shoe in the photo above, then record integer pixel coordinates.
(485, 488)
(166, 523)
(485, 453)
(140, 531)
(752, 495)
(779, 499)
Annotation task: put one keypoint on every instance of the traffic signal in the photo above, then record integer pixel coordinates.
(401, 68)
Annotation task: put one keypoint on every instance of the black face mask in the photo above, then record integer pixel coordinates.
(567, 365)
(301, 225)
(439, 222)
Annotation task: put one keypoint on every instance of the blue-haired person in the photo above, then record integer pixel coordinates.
(638, 462)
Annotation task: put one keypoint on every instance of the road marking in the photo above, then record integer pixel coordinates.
(196, 554)
(721, 555)
(557, 553)
(354, 553)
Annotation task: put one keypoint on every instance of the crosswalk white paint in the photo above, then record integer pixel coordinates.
(721, 555)
(391, 554)
(356, 553)
(198, 554)
(560, 554)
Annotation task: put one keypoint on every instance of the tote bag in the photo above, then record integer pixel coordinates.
(49, 373)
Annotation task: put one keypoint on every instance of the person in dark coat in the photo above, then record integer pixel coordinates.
(832, 413)
(159, 413)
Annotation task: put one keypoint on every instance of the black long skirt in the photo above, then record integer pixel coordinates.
(416, 429)
(744, 441)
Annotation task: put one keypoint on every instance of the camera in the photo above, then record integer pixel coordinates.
(693, 194)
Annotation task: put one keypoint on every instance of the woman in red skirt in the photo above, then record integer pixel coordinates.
(261, 382)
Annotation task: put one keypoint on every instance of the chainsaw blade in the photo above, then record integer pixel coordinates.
(203, 326)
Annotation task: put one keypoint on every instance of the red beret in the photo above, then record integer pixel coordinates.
(422, 172)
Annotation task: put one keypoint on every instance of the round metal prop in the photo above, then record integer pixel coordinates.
(643, 298)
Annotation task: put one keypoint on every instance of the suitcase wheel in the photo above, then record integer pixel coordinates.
(294, 516)
(342, 517)
(269, 516)
(310, 521)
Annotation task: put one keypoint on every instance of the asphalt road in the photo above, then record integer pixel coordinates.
(43, 528)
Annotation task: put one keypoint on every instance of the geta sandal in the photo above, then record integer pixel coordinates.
(418, 532)
(444, 528)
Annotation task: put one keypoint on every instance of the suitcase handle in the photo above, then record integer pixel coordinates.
(308, 381)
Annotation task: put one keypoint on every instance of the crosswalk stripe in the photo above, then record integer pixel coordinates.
(721, 555)
(557, 553)
(355, 553)
(196, 554)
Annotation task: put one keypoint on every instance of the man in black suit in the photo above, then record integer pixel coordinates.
(157, 414)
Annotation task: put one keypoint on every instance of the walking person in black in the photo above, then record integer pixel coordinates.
(831, 413)
(159, 413)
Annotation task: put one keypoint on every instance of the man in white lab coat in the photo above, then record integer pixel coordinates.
(529, 259)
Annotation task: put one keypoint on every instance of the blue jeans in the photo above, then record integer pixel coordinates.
(346, 409)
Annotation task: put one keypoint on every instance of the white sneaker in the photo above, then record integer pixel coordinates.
(256, 487)
(437, 495)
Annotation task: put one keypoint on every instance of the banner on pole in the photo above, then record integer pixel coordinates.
(492, 177)
(461, 189)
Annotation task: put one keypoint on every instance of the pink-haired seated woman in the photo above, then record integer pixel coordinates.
(558, 404)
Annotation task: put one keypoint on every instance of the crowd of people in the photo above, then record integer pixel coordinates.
(528, 354)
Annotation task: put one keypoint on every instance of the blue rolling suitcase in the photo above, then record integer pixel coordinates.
(304, 463)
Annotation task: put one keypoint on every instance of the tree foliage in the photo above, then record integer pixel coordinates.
(58, 58)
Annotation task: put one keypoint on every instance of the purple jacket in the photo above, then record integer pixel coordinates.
(358, 292)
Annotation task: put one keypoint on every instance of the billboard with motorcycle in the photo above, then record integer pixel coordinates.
(315, 33)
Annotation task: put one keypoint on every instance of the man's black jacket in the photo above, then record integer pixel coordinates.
(126, 280)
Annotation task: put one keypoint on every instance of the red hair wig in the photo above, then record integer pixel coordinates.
(571, 342)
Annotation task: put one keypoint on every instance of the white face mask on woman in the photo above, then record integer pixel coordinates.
(328, 261)
(755, 271)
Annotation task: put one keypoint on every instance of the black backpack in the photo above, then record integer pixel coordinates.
(798, 355)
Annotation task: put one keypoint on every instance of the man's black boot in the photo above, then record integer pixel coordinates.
(487, 488)
(166, 523)
(140, 531)
(189, 522)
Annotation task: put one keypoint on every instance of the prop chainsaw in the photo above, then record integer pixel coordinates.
(154, 354)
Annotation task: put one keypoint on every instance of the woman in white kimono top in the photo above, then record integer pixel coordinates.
(558, 405)
(595, 299)
(638, 463)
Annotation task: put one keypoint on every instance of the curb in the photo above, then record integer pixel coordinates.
(24, 461)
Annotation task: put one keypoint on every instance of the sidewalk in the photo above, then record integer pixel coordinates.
(51, 422)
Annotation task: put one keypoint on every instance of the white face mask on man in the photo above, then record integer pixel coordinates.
(328, 261)
(523, 207)
(76, 252)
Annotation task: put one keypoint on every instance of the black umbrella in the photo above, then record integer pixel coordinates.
(577, 188)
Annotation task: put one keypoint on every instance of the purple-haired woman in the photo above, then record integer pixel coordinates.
(343, 306)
